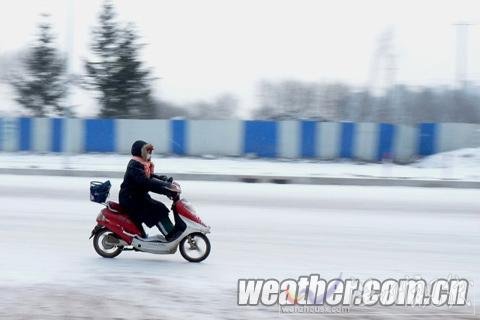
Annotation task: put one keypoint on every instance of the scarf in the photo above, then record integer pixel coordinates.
(147, 165)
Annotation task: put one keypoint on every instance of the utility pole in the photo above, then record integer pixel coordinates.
(70, 32)
(461, 69)
(384, 59)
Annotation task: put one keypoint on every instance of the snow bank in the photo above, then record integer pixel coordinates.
(462, 158)
(461, 164)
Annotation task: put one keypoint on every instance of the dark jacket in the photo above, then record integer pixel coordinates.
(134, 197)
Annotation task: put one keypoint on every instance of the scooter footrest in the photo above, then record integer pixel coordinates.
(156, 238)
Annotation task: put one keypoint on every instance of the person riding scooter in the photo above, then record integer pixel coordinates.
(138, 181)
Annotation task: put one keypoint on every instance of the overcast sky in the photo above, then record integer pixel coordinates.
(201, 48)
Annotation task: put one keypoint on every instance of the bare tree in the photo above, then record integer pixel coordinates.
(224, 106)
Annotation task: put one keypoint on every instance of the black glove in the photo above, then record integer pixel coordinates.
(172, 194)
(162, 177)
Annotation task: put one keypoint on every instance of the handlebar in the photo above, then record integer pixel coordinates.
(176, 189)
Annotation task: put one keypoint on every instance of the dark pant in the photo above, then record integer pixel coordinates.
(153, 211)
(165, 225)
(148, 211)
(156, 213)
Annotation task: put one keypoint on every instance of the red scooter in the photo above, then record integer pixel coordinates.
(115, 232)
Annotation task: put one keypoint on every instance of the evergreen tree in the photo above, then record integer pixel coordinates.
(133, 80)
(124, 86)
(42, 85)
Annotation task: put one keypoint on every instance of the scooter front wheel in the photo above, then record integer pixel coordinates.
(104, 246)
(195, 247)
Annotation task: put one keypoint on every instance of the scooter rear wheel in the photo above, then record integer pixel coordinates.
(195, 247)
(102, 245)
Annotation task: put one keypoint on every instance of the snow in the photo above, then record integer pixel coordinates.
(465, 158)
(49, 268)
(461, 164)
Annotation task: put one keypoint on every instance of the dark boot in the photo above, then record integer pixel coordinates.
(165, 226)
(173, 235)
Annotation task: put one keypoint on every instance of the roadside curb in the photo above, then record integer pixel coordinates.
(320, 180)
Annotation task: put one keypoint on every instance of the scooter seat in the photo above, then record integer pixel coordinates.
(115, 207)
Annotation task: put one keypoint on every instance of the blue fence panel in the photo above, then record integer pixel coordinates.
(25, 137)
(178, 133)
(347, 140)
(427, 139)
(308, 143)
(100, 135)
(56, 134)
(385, 141)
(260, 138)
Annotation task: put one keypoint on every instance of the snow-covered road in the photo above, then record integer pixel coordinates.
(49, 270)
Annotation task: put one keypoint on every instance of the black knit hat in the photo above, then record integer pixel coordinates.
(137, 148)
